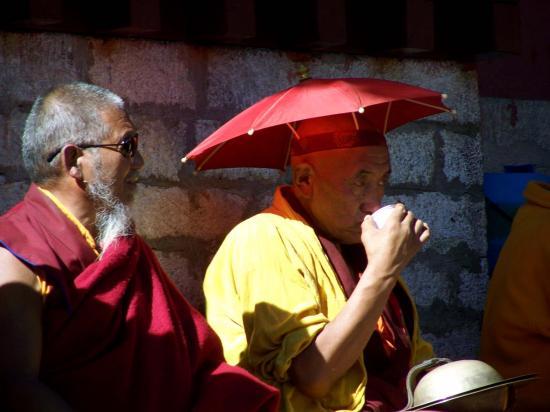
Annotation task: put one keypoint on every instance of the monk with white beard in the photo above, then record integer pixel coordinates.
(89, 320)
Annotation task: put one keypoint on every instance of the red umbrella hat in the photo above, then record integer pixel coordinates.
(262, 135)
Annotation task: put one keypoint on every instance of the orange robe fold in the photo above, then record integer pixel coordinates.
(515, 336)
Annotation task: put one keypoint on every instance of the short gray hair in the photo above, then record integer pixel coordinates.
(67, 114)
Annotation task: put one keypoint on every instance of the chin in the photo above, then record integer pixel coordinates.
(353, 239)
(349, 239)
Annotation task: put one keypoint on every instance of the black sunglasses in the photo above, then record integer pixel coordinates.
(127, 147)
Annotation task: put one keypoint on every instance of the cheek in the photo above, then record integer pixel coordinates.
(344, 207)
(121, 169)
(115, 173)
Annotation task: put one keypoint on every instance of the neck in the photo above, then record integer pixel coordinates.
(78, 203)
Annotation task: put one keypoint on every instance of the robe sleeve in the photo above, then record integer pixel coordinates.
(275, 304)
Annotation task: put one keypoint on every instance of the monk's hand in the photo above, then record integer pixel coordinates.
(392, 247)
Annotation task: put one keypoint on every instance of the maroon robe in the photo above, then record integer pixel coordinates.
(117, 334)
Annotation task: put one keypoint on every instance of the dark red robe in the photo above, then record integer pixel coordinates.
(117, 334)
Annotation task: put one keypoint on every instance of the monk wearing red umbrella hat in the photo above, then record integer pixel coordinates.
(308, 294)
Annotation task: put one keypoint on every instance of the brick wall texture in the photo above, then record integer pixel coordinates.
(177, 94)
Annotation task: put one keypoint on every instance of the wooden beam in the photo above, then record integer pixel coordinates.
(331, 24)
(506, 21)
(420, 26)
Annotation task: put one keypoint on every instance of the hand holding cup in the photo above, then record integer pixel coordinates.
(392, 235)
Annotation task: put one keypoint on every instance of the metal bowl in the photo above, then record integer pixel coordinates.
(464, 385)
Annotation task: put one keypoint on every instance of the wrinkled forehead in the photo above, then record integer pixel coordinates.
(377, 154)
(344, 163)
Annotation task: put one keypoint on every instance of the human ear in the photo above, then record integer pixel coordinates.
(302, 178)
(71, 158)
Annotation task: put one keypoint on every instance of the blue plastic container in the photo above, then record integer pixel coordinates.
(503, 196)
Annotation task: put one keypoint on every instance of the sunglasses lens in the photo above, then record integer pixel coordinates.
(128, 146)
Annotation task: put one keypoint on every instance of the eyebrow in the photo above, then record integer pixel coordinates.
(369, 172)
(129, 134)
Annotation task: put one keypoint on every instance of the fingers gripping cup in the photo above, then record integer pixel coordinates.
(381, 215)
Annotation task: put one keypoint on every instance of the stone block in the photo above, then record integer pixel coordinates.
(207, 214)
(237, 78)
(10, 144)
(430, 280)
(451, 221)
(412, 156)
(177, 267)
(10, 194)
(473, 288)
(203, 129)
(459, 343)
(462, 158)
(161, 144)
(159, 212)
(444, 76)
(426, 284)
(241, 173)
(515, 132)
(34, 62)
(5, 143)
(144, 71)
(214, 213)
(264, 201)
(508, 121)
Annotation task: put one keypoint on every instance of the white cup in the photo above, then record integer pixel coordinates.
(381, 215)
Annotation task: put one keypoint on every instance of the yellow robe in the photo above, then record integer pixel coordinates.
(516, 326)
(270, 289)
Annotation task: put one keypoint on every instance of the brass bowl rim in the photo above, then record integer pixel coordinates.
(475, 391)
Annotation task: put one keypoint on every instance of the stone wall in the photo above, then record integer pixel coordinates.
(178, 94)
(515, 132)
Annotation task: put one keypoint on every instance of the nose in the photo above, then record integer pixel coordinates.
(372, 201)
(137, 161)
(370, 207)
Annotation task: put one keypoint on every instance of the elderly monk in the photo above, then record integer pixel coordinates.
(290, 292)
(90, 321)
(515, 337)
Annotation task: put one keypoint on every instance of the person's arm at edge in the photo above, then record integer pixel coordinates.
(338, 346)
(21, 341)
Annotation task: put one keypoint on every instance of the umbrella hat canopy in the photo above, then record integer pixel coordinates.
(261, 135)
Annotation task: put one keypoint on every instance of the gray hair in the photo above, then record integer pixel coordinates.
(67, 114)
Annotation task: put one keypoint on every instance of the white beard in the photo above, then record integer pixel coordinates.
(112, 216)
